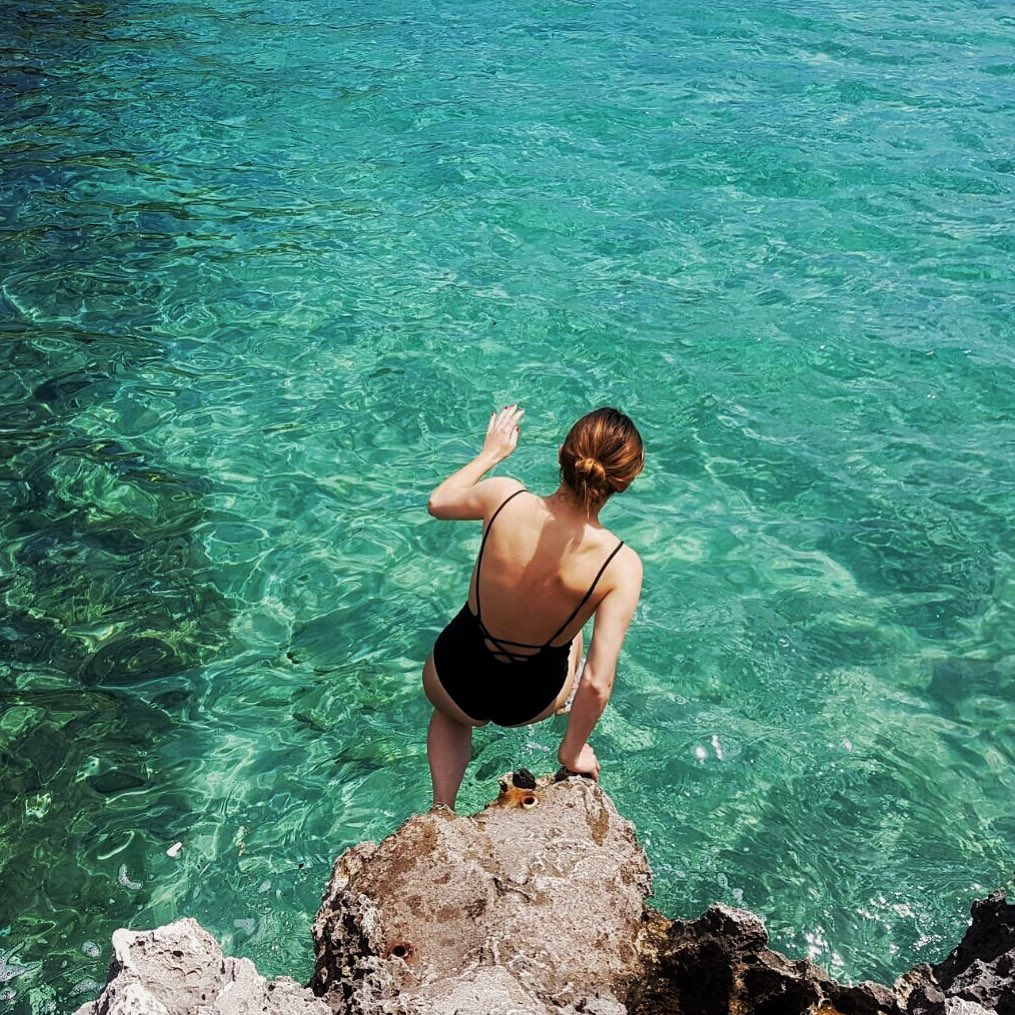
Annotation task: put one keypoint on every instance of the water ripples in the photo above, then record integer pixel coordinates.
(264, 273)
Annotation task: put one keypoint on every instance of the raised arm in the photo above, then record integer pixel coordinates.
(462, 495)
(612, 619)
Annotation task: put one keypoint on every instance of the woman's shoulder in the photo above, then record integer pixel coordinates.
(628, 559)
(625, 566)
(496, 491)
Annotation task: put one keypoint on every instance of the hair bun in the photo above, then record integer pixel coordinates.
(592, 468)
(600, 456)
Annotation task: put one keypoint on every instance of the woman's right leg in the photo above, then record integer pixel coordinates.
(448, 741)
(559, 705)
(563, 703)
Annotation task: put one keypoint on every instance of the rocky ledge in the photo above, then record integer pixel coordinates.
(534, 906)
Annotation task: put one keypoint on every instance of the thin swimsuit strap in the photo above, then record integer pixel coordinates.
(500, 643)
(588, 595)
(482, 546)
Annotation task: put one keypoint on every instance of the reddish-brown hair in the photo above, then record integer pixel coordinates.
(600, 456)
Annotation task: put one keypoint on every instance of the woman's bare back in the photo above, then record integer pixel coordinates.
(536, 567)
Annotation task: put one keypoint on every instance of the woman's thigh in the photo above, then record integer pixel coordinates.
(440, 699)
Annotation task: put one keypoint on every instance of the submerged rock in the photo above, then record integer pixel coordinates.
(534, 906)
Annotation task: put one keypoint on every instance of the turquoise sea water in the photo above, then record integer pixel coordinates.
(265, 270)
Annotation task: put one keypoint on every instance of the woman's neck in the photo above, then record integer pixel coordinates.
(563, 501)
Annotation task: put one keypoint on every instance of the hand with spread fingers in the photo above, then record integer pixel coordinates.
(502, 432)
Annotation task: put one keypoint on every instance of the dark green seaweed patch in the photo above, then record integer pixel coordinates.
(105, 587)
(107, 605)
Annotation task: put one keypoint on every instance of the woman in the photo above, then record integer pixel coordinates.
(545, 568)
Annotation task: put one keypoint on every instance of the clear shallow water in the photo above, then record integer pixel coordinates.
(265, 270)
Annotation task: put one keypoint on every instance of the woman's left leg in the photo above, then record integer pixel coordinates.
(448, 740)
(448, 749)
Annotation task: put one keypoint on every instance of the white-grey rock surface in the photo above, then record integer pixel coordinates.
(179, 969)
(957, 1006)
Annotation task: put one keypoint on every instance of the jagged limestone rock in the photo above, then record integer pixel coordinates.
(720, 964)
(956, 1006)
(546, 886)
(179, 969)
(979, 972)
(534, 906)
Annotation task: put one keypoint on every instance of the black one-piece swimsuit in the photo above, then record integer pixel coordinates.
(513, 689)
